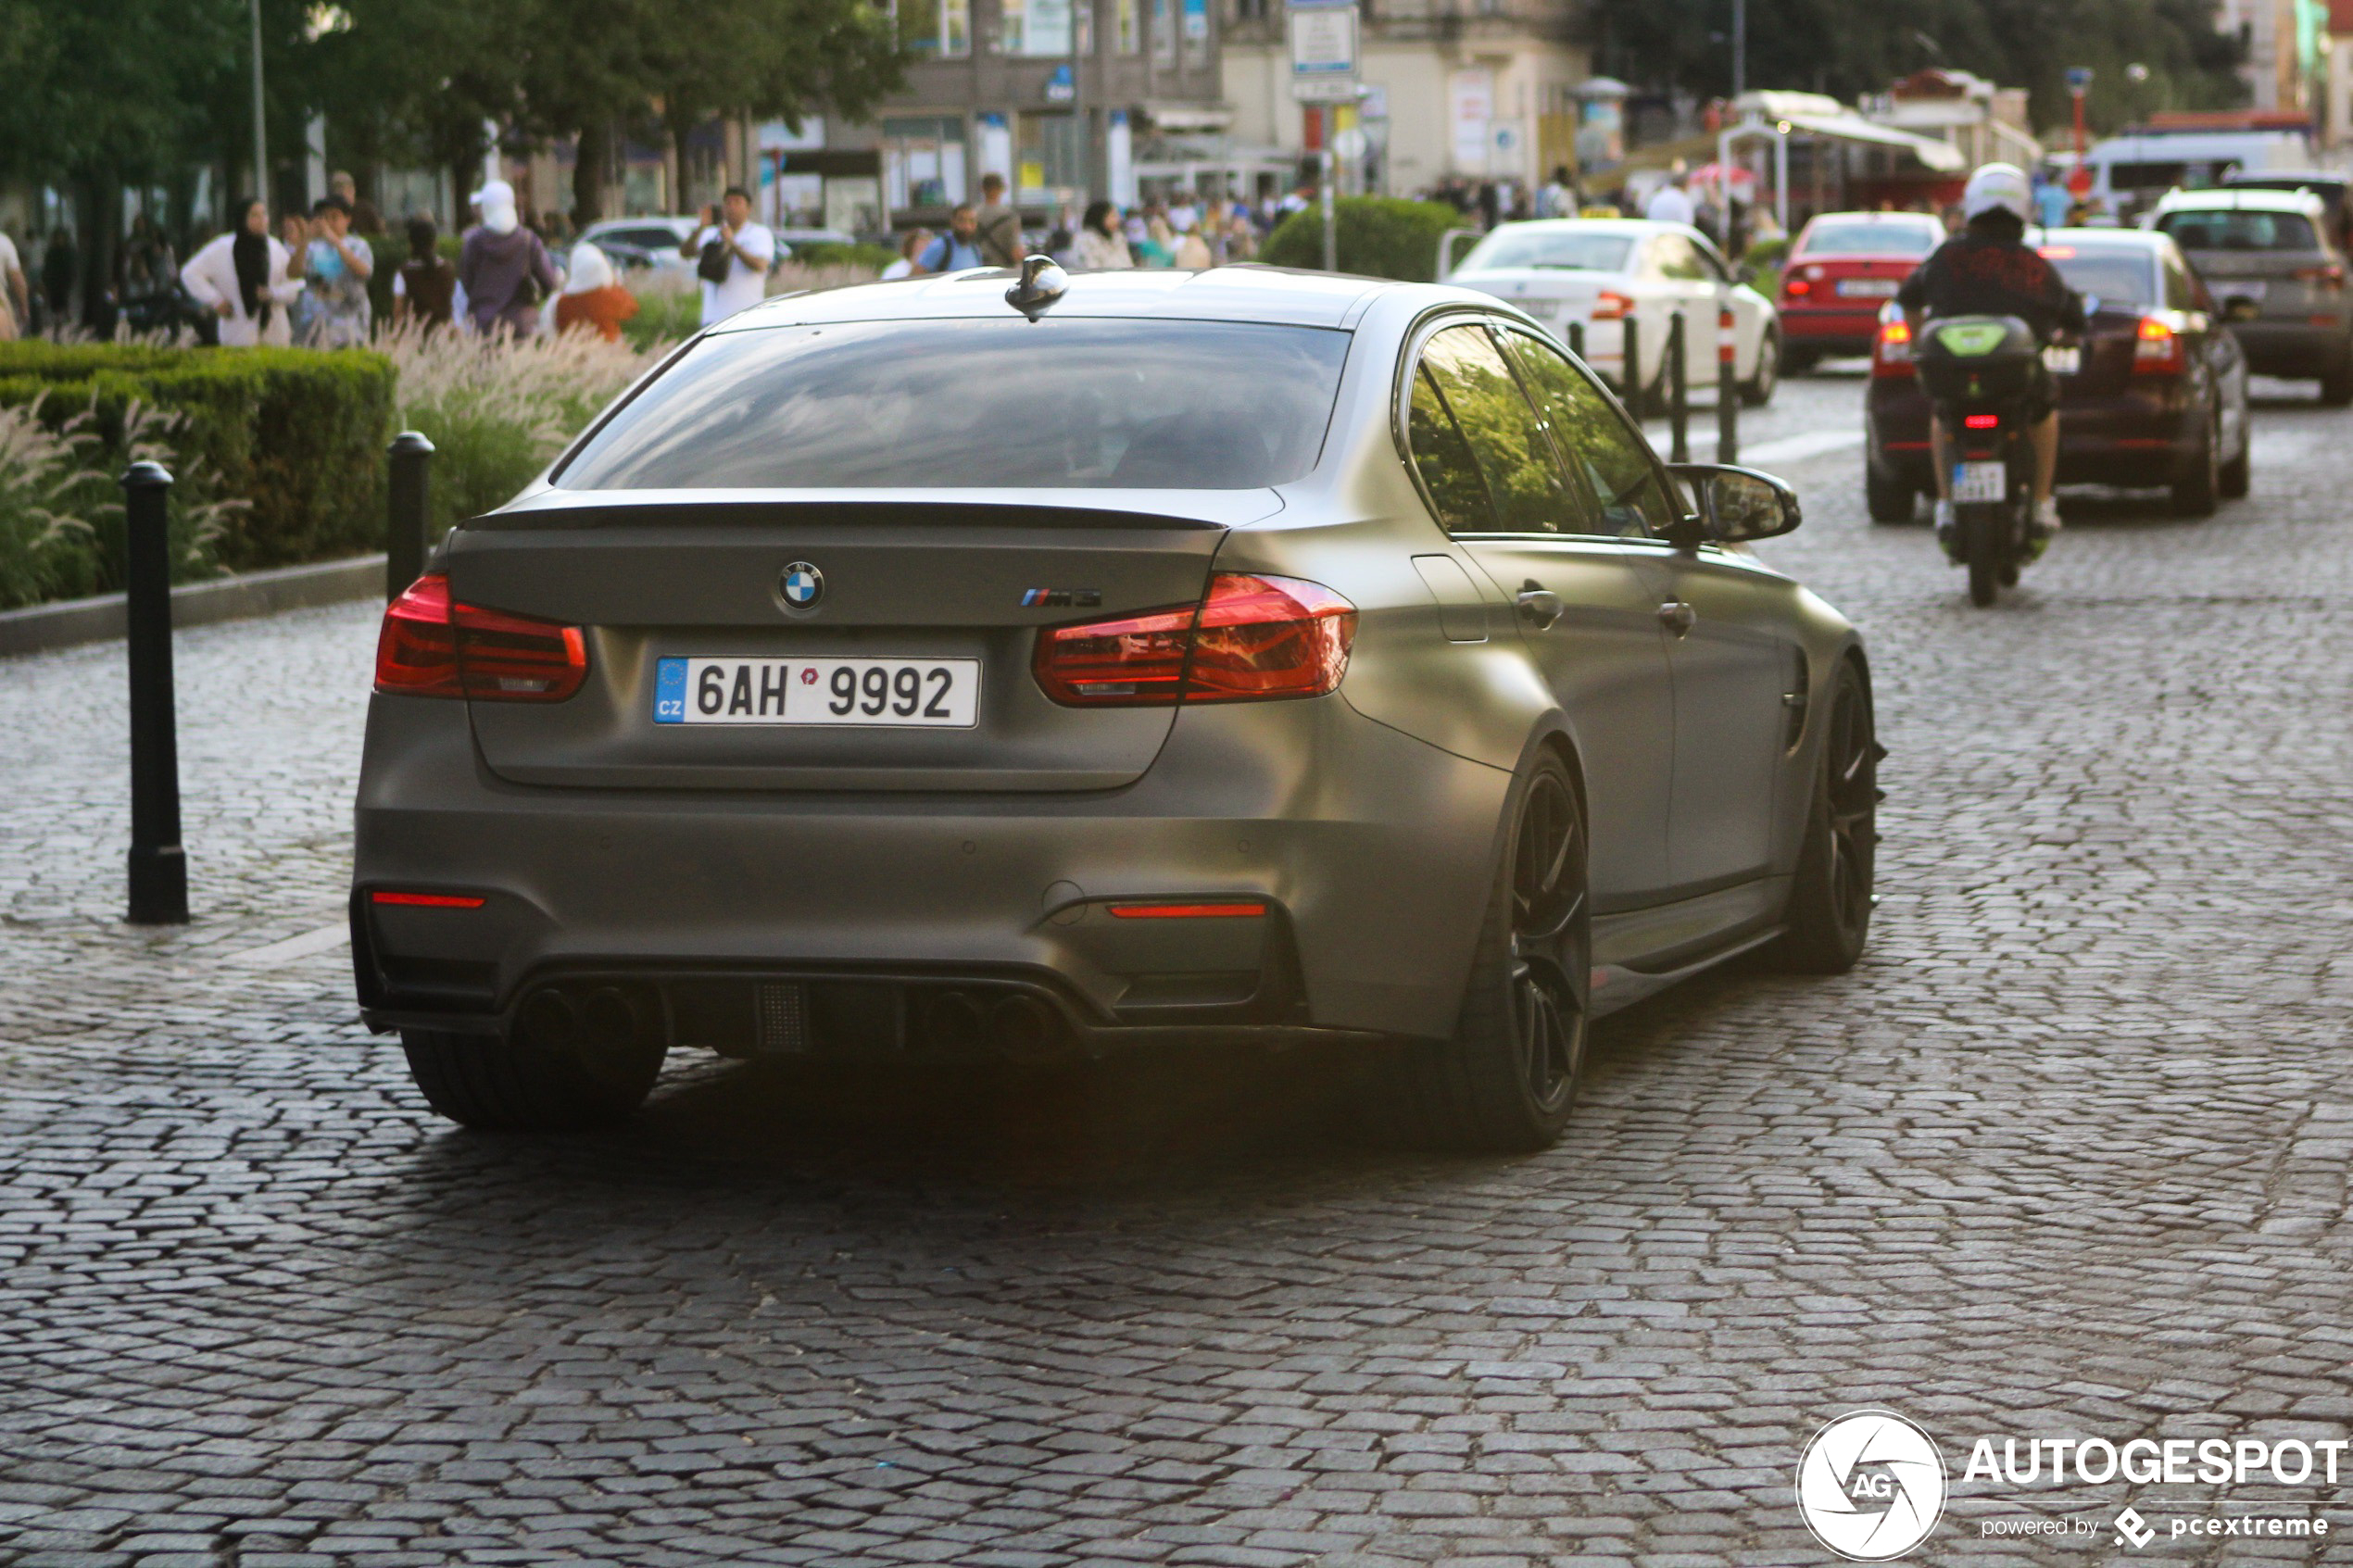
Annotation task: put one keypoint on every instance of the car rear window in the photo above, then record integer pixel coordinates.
(1567, 252)
(1006, 403)
(1868, 239)
(2239, 230)
(2118, 276)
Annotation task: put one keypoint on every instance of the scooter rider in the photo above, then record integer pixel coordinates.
(1989, 269)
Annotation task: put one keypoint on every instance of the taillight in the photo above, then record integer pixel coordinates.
(1982, 421)
(2329, 277)
(1891, 355)
(1611, 306)
(2157, 348)
(432, 647)
(1797, 288)
(1252, 638)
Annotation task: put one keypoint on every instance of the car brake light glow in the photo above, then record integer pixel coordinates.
(432, 647)
(1799, 287)
(1891, 355)
(1983, 422)
(1251, 638)
(1187, 911)
(428, 900)
(2056, 253)
(2331, 276)
(2156, 349)
(1611, 306)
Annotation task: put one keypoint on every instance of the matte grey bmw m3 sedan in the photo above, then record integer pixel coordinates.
(942, 670)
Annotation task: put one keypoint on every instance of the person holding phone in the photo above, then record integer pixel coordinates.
(733, 257)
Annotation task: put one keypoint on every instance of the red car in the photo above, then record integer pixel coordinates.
(1845, 266)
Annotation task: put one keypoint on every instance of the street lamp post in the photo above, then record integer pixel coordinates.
(261, 142)
(1740, 47)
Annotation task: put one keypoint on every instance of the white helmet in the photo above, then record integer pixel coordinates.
(1999, 185)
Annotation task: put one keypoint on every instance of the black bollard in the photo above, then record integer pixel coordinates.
(1629, 370)
(158, 868)
(412, 465)
(1678, 393)
(1727, 392)
(1577, 339)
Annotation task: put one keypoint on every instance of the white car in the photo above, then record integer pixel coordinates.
(654, 242)
(1602, 272)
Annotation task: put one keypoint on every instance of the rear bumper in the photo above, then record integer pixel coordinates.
(2292, 349)
(1372, 854)
(2138, 439)
(1830, 331)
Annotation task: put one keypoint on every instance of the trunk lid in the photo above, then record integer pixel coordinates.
(688, 575)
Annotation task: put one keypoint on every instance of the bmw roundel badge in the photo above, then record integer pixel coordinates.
(801, 587)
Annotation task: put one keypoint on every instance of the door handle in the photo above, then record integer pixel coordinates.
(1538, 607)
(1678, 617)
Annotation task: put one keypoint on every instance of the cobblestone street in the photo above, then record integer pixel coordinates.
(2065, 1156)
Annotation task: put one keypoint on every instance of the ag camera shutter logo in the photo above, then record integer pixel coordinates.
(1871, 1486)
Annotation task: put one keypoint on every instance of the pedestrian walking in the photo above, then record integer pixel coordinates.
(958, 248)
(998, 224)
(912, 246)
(242, 277)
(60, 262)
(1193, 251)
(733, 254)
(1671, 203)
(1559, 197)
(16, 295)
(1102, 246)
(144, 267)
(593, 299)
(424, 287)
(336, 265)
(503, 267)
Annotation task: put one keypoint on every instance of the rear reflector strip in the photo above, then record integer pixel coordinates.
(1186, 911)
(428, 900)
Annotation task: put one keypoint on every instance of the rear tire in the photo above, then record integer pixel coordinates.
(498, 1085)
(1506, 1082)
(2199, 492)
(1889, 500)
(1982, 547)
(1757, 390)
(1829, 902)
(2236, 477)
(2336, 387)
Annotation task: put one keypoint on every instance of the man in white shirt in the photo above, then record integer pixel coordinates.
(16, 295)
(1670, 204)
(751, 248)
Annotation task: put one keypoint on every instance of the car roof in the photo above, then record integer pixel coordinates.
(2141, 239)
(1272, 295)
(2241, 198)
(2280, 178)
(1865, 215)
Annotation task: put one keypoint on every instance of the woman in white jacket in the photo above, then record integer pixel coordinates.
(241, 276)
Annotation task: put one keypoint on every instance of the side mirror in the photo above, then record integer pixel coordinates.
(1736, 505)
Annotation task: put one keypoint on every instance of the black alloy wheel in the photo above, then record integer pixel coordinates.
(1551, 942)
(1830, 898)
(1508, 1079)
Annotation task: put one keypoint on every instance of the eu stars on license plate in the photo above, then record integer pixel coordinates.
(934, 694)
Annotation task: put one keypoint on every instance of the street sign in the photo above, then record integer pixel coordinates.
(2079, 79)
(1322, 53)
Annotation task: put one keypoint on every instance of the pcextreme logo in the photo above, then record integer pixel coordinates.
(1871, 1486)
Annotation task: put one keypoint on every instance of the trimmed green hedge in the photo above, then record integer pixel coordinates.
(297, 432)
(1378, 237)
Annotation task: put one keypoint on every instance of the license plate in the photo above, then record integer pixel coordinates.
(1981, 482)
(2063, 360)
(937, 694)
(1867, 288)
(1546, 309)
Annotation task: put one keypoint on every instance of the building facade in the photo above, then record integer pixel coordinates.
(1476, 90)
